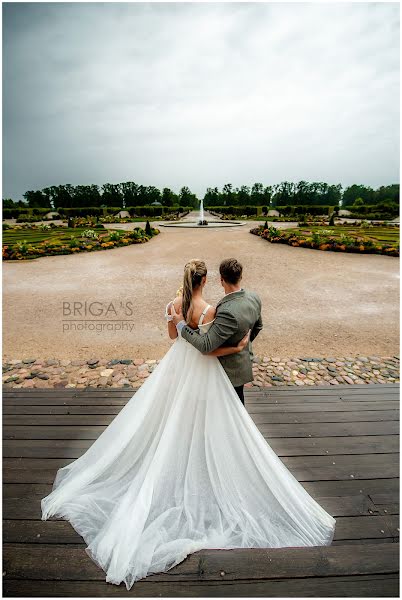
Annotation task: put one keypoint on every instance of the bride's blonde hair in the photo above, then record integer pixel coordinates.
(194, 271)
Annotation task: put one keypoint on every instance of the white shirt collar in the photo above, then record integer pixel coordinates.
(235, 292)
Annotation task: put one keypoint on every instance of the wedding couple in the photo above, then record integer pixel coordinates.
(183, 466)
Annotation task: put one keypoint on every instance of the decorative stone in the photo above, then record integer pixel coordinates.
(11, 379)
(29, 383)
(106, 372)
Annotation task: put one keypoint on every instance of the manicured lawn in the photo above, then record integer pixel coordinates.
(58, 235)
(20, 244)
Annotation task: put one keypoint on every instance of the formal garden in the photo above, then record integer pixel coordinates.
(30, 241)
(364, 237)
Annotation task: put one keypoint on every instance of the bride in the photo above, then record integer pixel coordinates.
(183, 467)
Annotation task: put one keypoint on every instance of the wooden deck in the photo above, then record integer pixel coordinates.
(340, 442)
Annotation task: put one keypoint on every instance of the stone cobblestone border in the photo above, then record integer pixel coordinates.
(131, 373)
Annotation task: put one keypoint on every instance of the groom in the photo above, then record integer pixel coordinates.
(237, 312)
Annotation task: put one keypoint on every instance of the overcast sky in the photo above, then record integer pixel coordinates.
(199, 94)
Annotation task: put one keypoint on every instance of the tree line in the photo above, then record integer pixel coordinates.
(130, 193)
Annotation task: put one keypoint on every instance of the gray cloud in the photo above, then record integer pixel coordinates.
(199, 94)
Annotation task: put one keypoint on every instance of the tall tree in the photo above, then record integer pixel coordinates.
(257, 194)
(111, 195)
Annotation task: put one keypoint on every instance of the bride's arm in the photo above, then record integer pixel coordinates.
(172, 331)
(225, 350)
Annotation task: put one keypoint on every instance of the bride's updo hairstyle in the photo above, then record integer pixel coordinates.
(194, 271)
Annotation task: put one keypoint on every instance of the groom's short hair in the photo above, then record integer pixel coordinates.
(231, 270)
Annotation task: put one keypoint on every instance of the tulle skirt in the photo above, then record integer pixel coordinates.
(182, 467)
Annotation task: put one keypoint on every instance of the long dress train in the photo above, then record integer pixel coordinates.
(182, 467)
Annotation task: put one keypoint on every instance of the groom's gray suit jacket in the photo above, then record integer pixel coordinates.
(236, 313)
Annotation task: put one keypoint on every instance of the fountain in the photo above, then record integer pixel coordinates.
(190, 220)
(202, 222)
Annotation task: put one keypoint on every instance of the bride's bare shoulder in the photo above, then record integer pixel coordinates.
(177, 302)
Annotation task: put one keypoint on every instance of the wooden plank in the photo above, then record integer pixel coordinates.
(335, 445)
(43, 470)
(283, 393)
(99, 409)
(386, 503)
(283, 447)
(315, 474)
(259, 418)
(19, 490)
(45, 448)
(392, 522)
(313, 417)
(318, 489)
(355, 461)
(54, 561)
(16, 408)
(360, 586)
(49, 400)
(290, 430)
(325, 407)
(343, 388)
(22, 501)
(22, 531)
(329, 429)
(351, 488)
(113, 400)
(285, 389)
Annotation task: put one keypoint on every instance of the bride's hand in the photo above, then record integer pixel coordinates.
(177, 316)
(243, 342)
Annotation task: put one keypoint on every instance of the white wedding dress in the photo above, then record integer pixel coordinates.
(182, 467)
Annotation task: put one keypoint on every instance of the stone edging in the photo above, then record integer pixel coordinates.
(268, 372)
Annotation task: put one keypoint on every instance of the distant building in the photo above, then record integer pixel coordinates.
(51, 214)
(123, 214)
(156, 203)
(342, 212)
(273, 213)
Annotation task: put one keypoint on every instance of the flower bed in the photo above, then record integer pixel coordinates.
(326, 240)
(24, 244)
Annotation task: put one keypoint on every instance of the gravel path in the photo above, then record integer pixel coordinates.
(314, 303)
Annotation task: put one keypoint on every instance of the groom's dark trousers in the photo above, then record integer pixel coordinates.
(240, 392)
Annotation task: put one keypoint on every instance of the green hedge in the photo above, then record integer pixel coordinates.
(87, 211)
(304, 209)
(93, 211)
(237, 211)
